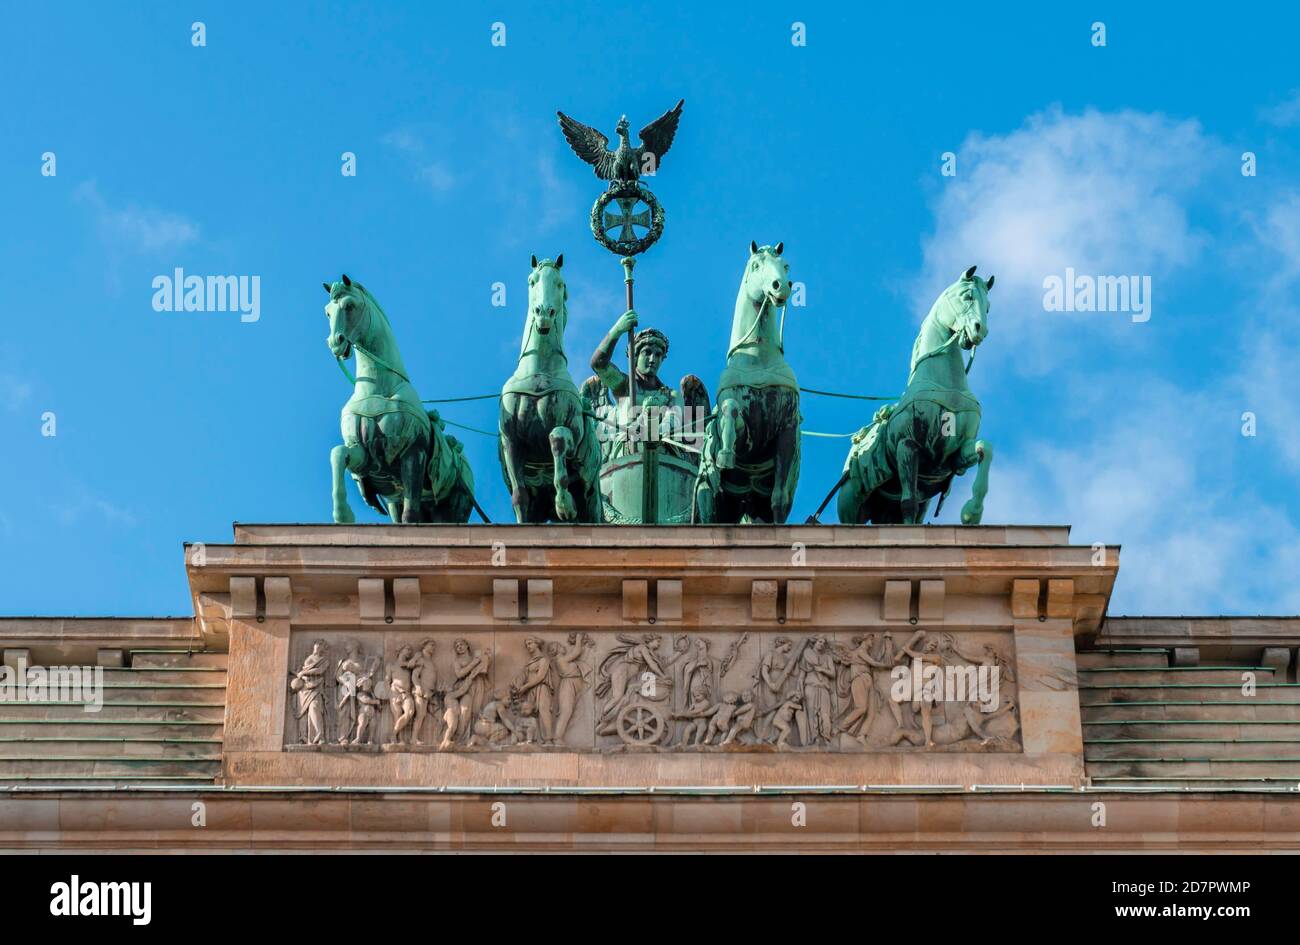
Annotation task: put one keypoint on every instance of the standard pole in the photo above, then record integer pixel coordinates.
(628, 263)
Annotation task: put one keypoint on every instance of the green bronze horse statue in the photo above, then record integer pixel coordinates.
(404, 464)
(912, 450)
(749, 466)
(547, 442)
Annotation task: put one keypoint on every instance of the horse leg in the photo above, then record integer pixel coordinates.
(905, 456)
(731, 424)
(343, 458)
(785, 474)
(974, 451)
(562, 447)
(414, 463)
(518, 491)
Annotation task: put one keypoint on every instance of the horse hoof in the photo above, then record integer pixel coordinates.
(726, 459)
(971, 513)
(564, 507)
(343, 515)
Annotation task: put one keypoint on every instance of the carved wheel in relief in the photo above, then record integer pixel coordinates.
(641, 725)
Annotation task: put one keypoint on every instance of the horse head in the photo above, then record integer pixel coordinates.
(350, 317)
(963, 308)
(547, 300)
(767, 276)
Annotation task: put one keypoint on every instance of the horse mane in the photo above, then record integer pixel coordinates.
(374, 303)
(743, 306)
(930, 316)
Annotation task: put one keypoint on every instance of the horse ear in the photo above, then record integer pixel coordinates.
(559, 261)
(968, 273)
(779, 246)
(534, 262)
(988, 286)
(753, 248)
(327, 288)
(346, 281)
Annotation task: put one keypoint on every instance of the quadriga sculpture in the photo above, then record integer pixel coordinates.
(404, 464)
(911, 450)
(549, 452)
(750, 463)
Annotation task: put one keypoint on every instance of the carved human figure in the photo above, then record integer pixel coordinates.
(534, 687)
(621, 674)
(369, 707)
(308, 685)
(572, 675)
(494, 724)
(856, 682)
(960, 729)
(724, 713)
(401, 699)
(742, 723)
(927, 651)
(775, 683)
(696, 716)
(424, 687)
(817, 667)
(783, 719)
(468, 692)
(346, 672)
(701, 672)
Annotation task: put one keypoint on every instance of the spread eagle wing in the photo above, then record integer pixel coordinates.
(657, 137)
(590, 145)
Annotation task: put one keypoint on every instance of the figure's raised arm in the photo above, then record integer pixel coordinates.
(602, 360)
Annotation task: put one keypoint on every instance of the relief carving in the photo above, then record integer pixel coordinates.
(308, 687)
(620, 691)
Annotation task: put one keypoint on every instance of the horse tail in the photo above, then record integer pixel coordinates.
(369, 493)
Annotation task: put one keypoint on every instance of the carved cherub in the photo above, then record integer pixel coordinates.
(743, 721)
(723, 714)
(697, 715)
(369, 707)
(783, 719)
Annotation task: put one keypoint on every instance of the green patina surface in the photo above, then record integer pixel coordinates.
(911, 450)
(627, 448)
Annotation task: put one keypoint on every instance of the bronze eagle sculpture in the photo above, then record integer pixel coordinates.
(627, 163)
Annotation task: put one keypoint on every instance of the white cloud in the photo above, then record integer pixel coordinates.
(1149, 478)
(14, 392)
(1103, 193)
(72, 510)
(1285, 113)
(433, 173)
(1109, 194)
(135, 229)
(1278, 237)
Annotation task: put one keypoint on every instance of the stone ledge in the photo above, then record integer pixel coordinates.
(336, 821)
(1217, 637)
(78, 639)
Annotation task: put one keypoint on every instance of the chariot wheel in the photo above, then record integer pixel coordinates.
(641, 725)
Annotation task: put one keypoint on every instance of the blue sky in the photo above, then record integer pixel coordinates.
(1119, 160)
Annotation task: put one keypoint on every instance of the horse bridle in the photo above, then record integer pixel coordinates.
(758, 317)
(367, 352)
(956, 334)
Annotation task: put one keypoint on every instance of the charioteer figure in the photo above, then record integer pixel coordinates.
(655, 413)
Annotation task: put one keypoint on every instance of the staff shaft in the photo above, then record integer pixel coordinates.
(628, 263)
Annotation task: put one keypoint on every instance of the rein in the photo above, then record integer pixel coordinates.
(956, 333)
(368, 353)
(758, 317)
